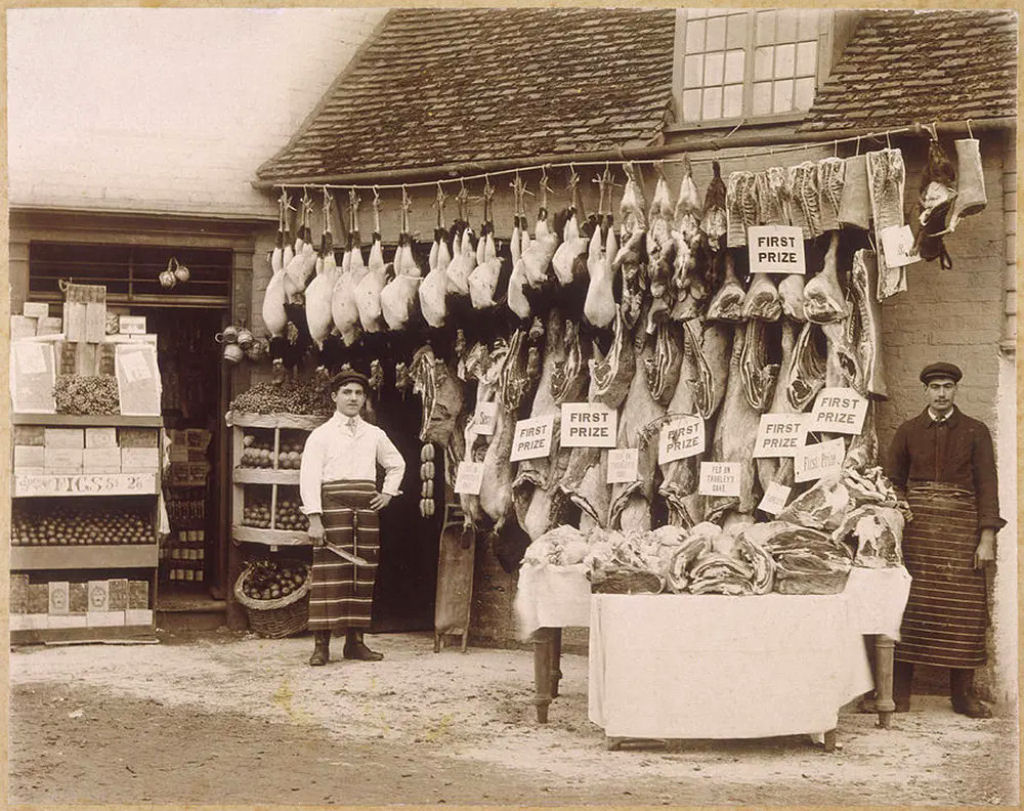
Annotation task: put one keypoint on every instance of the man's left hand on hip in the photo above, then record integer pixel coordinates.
(380, 501)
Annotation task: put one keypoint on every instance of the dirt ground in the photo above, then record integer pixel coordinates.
(237, 720)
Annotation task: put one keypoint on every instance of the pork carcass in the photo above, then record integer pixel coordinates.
(735, 433)
(831, 178)
(727, 304)
(433, 288)
(805, 376)
(805, 209)
(680, 478)
(740, 207)
(482, 366)
(462, 264)
(399, 296)
(824, 302)
(630, 506)
(599, 307)
(758, 373)
(711, 345)
(367, 291)
(864, 327)
(442, 396)
(714, 223)
(887, 178)
(610, 374)
(780, 469)
(484, 279)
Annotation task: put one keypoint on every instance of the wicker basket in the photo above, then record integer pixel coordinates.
(275, 618)
(623, 581)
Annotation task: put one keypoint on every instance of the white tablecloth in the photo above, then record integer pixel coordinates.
(685, 666)
(877, 599)
(551, 597)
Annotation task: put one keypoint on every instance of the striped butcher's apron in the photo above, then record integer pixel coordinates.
(947, 613)
(340, 592)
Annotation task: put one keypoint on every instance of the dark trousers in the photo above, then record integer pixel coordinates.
(961, 682)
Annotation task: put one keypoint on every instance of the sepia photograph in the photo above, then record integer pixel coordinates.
(540, 405)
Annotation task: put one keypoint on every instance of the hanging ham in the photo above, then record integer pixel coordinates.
(727, 304)
(824, 302)
(680, 478)
(780, 469)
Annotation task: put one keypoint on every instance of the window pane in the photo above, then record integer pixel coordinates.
(804, 95)
(716, 34)
(806, 59)
(714, 65)
(762, 98)
(734, 63)
(785, 61)
(737, 37)
(786, 30)
(763, 62)
(695, 37)
(783, 96)
(732, 102)
(691, 105)
(765, 27)
(809, 22)
(712, 107)
(693, 70)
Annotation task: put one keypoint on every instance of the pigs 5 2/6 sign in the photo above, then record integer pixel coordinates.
(776, 249)
(588, 425)
(838, 411)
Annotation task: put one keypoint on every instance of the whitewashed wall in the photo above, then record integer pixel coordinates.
(168, 110)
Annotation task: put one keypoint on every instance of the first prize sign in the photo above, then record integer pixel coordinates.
(588, 425)
(776, 249)
(680, 437)
(532, 438)
(838, 411)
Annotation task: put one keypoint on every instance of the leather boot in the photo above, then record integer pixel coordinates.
(321, 648)
(902, 679)
(961, 691)
(356, 649)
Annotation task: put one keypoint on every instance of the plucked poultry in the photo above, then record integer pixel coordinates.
(628, 259)
(573, 244)
(367, 291)
(274, 316)
(320, 289)
(599, 307)
(483, 281)
(714, 222)
(303, 264)
(399, 297)
(433, 288)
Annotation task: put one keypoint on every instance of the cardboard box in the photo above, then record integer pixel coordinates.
(117, 588)
(95, 322)
(104, 619)
(38, 598)
(49, 326)
(138, 594)
(101, 460)
(35, 309)
(29, 458)
(100, 437)
(19, 593)
(58, 596)
(29, 435)
(22, 327)
(71, 438)
(137, 437)
(64, 460)
(140, 459)
(99, 595)
(78, 598)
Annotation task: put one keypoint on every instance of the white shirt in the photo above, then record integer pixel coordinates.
(337, 452)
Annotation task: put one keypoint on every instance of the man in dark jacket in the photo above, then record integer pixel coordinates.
(943, 461)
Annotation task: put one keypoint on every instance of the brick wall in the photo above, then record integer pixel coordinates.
(126, 109)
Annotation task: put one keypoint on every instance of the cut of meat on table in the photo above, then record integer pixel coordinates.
(758, 373)
(780, 469)
(711, 343)
(681, 478)
(727, 303)
(735, 433)
(824, 302)
(599, 307)
(639, 422)
(877, 533)
(823, 507)
(806, 374)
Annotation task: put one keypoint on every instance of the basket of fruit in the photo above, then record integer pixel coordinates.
(275, 597)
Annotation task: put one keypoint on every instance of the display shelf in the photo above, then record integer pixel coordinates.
(86, 421)
(25, 485)
(270, 537)
(126, 556)
(141, 633)
(302, 422)
(265, 475)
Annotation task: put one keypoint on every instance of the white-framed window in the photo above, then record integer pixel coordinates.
(734, 64)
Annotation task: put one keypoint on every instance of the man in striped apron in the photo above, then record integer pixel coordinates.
(337, 482)
(943, 461)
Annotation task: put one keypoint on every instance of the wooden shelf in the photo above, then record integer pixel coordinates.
(301, 422)
(270, 537)
(100, 634)
(26, 485)
(264, 475)
(126, 556)
(90, 420)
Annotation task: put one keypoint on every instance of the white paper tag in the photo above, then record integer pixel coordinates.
(680, 437)
(838, 411)
(719, 479)
(134, 366)
(588, 425)
(623, 465)
(484, 418)
(779, 435)
(532, 439)
(775, 498)
(469, 478)
(819, 461)
(897, 246)
(776, 249)
(31, 360)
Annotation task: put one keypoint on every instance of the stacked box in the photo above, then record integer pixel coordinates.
(35, 309)
(100, 437)
(117, 593)
(38, 607)
(23, 327)
(19, 593)
(100, 614)
(138, 612)
(49, 326)
(64, 438)
(29, 459)
(58, 597)
(135, 459)
(101, 460)
(99, 595)
(78, 598)
(63, 460)
(137, 437)
(29, 435)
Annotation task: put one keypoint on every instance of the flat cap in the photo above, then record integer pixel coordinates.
(941, 369)
(349, 376)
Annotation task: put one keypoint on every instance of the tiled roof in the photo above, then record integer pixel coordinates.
(442, 86)
(902, 66)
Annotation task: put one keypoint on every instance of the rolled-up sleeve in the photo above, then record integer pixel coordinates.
(311, 473)
(986, 486)
(389, 458)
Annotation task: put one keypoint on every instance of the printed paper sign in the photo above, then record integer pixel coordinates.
(838, 411)
(84, 484)
(623, 465)
(775, 498)
(32, 358)
(131, 324)
(484, 418)
(776, 249)
(819, 461)
(138, 379)
(680, 437)
(779, 435)
(588, 425)
(532, 438)
(34, 374)
(719, 479)
(469, 478)
(898, 246)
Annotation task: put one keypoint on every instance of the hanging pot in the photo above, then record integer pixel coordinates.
(245, 337)
(228, 336)
(233, 353)
(167, 279)
(256, 350)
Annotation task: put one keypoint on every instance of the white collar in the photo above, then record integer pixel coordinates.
(937, 418)
(356, 420)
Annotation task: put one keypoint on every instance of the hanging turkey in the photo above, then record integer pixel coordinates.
(367, 291)
(399, 296)
(319, 292)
